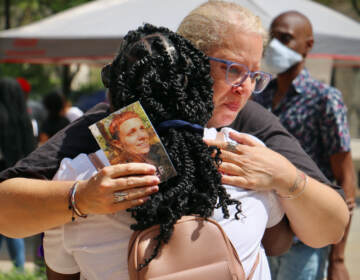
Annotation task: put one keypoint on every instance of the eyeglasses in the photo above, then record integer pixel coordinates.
(237, 73)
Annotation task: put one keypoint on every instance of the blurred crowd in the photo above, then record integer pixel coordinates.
(24, 125)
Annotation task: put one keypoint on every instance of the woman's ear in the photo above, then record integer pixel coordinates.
(105, 75)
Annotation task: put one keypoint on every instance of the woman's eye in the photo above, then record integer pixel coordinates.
(234, 71)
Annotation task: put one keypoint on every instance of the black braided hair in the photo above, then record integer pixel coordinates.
(171, 79)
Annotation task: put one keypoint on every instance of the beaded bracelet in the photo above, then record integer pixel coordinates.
(300, 177)
(72, 203)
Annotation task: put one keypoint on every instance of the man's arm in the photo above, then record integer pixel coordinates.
(343, 170)
(277, 240)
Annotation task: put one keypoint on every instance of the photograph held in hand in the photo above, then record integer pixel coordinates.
(127, 135)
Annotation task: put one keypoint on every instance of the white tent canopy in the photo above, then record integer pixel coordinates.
(91, 32)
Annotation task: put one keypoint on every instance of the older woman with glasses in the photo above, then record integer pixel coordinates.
(233, 37)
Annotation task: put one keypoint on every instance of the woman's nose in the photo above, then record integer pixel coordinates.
(245, 86)
(236, 89)
(142, 135)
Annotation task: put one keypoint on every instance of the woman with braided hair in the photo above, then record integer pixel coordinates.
(171, 80)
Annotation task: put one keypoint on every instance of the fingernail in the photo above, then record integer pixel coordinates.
(156, 180)
(154, 188)
(152, 168)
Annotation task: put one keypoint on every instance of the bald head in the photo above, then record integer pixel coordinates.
(296, 19)
(294, 30)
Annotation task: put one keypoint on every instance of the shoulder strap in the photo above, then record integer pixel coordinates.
(251, 274)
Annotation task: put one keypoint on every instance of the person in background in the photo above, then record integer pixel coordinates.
(54, 104)
(16, 141)
(316, 115)
(37, 115)
(35, 109)
(72, 112)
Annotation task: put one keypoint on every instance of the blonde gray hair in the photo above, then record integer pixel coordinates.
(208, 25)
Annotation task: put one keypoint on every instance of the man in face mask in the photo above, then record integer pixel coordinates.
(316, 115)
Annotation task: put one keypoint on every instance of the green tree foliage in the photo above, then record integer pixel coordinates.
(39, 76)
(347, 7)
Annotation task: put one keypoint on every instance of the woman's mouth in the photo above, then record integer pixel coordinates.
(143, 144)
(233, 106)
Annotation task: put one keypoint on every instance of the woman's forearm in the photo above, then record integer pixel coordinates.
(30, 206)
(318, 216)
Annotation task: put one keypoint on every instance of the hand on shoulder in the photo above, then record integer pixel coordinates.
(117, 187)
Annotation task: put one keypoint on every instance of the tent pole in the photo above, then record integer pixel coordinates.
(66, 80)
(7, 14)
(356, 5)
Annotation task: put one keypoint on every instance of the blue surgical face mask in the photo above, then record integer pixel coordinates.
(279, 57)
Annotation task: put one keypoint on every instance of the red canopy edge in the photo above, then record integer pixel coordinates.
(60, 60)
(58, 51)
(334, 56)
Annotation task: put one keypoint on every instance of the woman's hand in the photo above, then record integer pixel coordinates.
(116, 188)
(251, 165)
